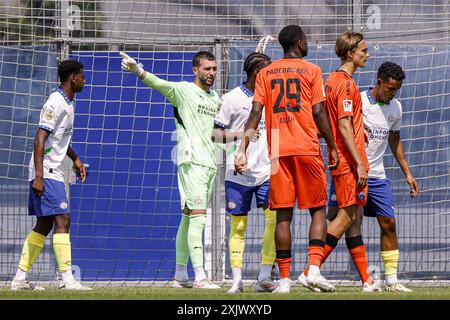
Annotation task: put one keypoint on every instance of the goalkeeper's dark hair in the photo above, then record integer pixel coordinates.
(390, 70)
(202, 55)
(289, 36)
(254, 61)
(68, 67)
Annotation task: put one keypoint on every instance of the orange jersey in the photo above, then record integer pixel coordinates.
(288, 88)
(344, 99)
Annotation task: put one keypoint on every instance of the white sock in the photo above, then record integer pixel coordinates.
(314, 270)
(199, 274)
(67, 276)
(237, 275)
(392, 279)
(181, 273)
(285, 281)
(20, 274)
(265, 272)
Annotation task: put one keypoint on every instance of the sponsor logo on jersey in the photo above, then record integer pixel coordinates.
(348, 105)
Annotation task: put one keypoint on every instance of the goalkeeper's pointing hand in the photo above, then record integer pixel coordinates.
(129, 64)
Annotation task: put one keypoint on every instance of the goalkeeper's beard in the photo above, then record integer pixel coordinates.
(207, 82)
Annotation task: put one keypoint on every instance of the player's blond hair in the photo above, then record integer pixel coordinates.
(347, 41)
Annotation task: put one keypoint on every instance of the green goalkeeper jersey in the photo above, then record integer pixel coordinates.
(194, 112)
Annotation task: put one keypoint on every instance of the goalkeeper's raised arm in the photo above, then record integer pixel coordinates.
(166, 88)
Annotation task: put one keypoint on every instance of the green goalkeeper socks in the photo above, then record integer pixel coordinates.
(195, 238)
(181, 244)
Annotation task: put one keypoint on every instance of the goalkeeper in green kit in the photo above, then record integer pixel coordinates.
(195, 108)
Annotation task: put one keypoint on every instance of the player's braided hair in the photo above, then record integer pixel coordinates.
(390, 70)
(254, 61)
(68, 67)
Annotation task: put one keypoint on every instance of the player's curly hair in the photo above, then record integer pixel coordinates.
(390, 70)
(202, 55)
(289, 36)
(68, 67)
(254, 61)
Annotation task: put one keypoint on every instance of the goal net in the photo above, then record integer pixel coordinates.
(125, 216)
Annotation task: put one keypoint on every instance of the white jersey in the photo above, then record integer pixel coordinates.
(234, 109)
(379, 120)
(57, 118)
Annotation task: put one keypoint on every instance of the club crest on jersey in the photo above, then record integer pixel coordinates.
(63, 205)
(231, 205)
(49, 114)
(391, 118)
(348, 105)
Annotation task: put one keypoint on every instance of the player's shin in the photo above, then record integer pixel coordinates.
(195, 232)
(284, 260)
(330, 243)
(30, 251)
(237, 244)
(316, 252)
(268, 253)
(182, 249)
(63, 254)
(357, 251)
(390, 261)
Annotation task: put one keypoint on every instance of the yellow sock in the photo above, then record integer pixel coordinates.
(236, 242)
(268, 254)
(63, 251)
(390, 260)
(31, 249)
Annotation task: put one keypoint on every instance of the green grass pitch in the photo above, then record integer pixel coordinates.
(162, 293)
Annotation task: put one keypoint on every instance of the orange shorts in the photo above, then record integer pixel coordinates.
(347, 193)
(301, 177)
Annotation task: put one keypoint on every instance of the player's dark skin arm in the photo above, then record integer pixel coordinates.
(396, 145)
(250, 128)
(39, 142)
(220, 135)
(346, 130)
(322, 124)
(77, 163)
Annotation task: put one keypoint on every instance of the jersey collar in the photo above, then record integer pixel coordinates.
(61, 91)
(371, 98)
(247, 92)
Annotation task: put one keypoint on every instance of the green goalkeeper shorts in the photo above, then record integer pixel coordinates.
(195, 183)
